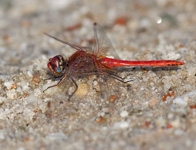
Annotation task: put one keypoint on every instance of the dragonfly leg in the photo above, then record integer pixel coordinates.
(120, 78)
(52, 86)
(51, 78)
(74, 90)
(126, 76)
(64, 77)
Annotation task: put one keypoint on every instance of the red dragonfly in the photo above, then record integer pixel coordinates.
(93, 61)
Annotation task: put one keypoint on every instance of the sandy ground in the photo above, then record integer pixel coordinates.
(156, 110)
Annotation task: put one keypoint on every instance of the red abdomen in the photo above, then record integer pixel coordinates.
(109, 62)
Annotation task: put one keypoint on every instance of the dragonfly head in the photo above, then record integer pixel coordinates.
(57, 65)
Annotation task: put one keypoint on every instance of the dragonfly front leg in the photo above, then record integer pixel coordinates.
(74, 90)
(64, 78)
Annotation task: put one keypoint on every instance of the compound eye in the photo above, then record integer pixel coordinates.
(56, 64)
(58, 69)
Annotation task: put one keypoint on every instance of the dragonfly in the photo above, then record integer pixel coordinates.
(94, 61)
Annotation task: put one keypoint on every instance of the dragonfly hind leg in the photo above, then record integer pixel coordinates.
(120, 78)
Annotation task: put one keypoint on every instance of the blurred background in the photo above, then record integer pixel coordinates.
(134, 26)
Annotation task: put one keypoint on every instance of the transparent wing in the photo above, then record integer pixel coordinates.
(77, 47)
(103, 46)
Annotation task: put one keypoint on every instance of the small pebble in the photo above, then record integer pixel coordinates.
(2, 134)
(36, 78)
(178, 132)
(82, 90)
(124, 114)
(152, 102)
(8, 84)
(12, 94)
(176, 123)
(122, 124)
(112, 98)
(56, 136)
(180, 102)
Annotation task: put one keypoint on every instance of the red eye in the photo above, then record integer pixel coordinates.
(56, 65)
